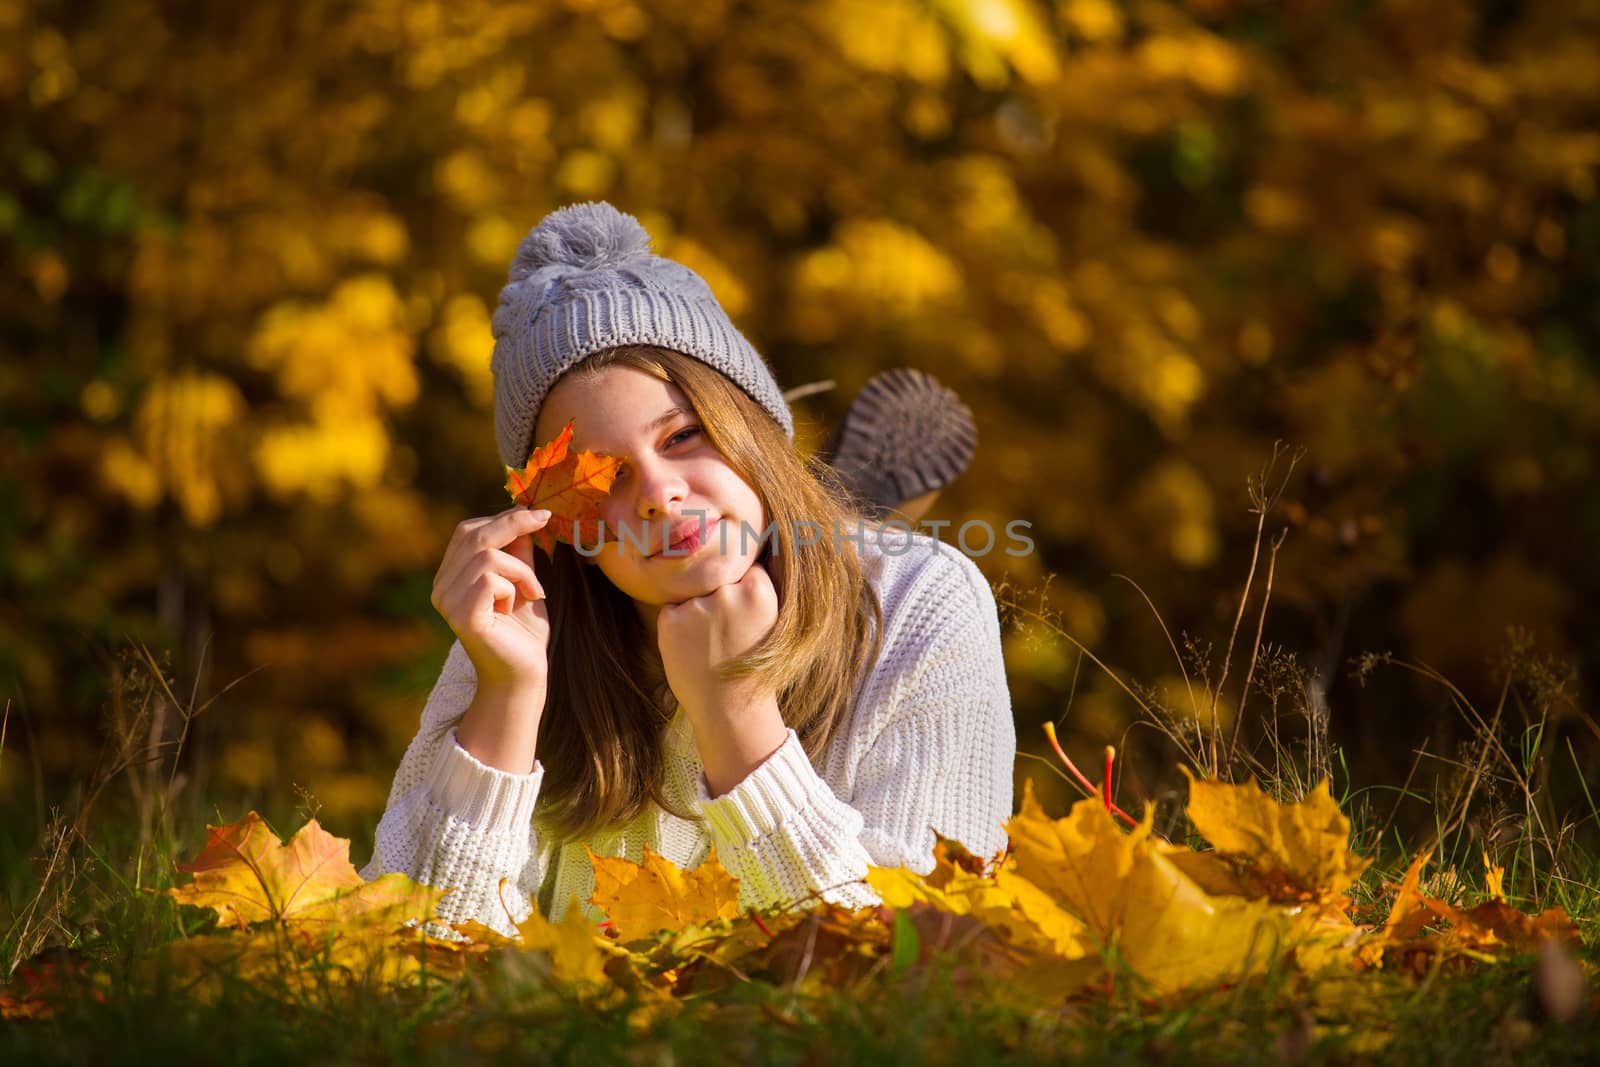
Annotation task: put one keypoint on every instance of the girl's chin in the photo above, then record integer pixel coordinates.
(702, 577)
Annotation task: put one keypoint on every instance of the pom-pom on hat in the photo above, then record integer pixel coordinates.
(584, 280)
(905, 434)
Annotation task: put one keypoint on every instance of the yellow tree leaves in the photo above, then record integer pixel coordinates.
(344, 361)
(184, 444)
(569, 484)
(286, 249)
(572, 944)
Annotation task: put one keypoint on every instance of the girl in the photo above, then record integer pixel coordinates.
(741, 664)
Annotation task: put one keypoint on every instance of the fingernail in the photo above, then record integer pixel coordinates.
(541, 514)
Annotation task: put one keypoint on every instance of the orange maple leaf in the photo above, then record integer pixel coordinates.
(246, 875)
(1490, 930)
(569, 485)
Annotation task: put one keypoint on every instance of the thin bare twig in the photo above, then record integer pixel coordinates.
(1262, 501)
(812, 924)
(809, 389)
(1255, 649)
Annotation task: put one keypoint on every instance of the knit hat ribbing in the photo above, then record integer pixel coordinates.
(584, 280)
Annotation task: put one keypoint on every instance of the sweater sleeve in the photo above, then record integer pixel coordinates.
(453, 821)
(938, 754)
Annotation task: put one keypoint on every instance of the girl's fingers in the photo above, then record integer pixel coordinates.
(504, 528)
(468, 525)
(483, 594)
(521, 547)
(519, 572)
(508, 568)
(497, 531)
(473, 537)
(502, 594)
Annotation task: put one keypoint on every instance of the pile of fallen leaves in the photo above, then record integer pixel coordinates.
(1076, 905)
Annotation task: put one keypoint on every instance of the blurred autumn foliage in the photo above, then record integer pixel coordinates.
(253, 250)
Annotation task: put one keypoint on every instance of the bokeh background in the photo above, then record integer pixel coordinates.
(251, 251)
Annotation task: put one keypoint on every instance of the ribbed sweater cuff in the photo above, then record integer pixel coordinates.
(769, 795)
(488, 798)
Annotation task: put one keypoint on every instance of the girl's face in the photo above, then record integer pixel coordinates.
(670, 471)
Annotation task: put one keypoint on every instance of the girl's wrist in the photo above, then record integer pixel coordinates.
(513, 690)
(729, 708)
(734, 741)
(500, 727)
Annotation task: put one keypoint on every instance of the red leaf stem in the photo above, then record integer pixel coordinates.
(1089, 787)
(1111, 754)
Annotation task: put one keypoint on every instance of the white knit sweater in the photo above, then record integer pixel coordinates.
(929, 744)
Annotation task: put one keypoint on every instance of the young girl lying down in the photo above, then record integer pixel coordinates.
(741, 664)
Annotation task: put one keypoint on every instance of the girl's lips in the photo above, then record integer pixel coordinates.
(690, 544)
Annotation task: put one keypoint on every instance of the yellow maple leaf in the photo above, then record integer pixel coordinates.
(1073, 859)
(1132, 897)
(1285, 852)
(1005, 902)
(247, 875)
(654, 894)
(575, 949)
(1062, 930)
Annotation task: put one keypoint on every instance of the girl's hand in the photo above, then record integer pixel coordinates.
(486, 590)
(698, 634)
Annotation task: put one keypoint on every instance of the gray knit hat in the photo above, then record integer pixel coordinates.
(584, 280)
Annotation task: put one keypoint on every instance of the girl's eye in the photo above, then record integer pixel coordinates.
(682, 434)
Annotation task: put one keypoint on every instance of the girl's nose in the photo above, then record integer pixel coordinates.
(658, 490)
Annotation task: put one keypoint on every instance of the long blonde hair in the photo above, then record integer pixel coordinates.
(600, 739)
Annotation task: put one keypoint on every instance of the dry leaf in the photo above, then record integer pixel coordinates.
(570, 485)
(1492, 928)
(1005, 902)
(575, 949)
(1285, 852)
(642, 898)
(1132, 898)
(246, 875)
